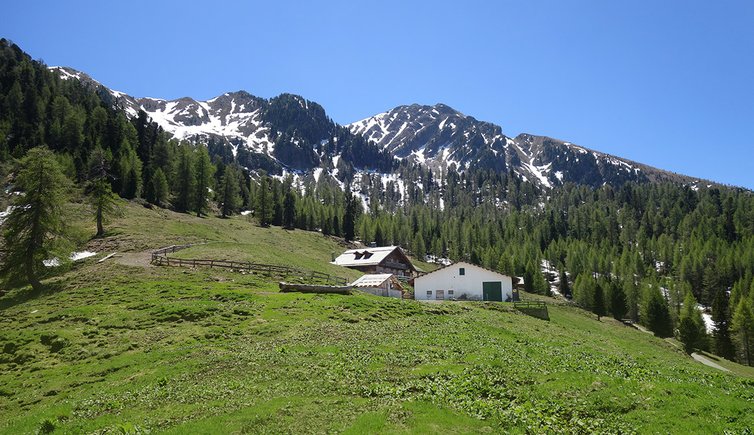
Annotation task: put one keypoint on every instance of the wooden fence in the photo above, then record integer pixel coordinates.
(163, 252)
(533, 308)
(160, 258)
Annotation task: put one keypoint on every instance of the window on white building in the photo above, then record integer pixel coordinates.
(429, 292)
(462, 271)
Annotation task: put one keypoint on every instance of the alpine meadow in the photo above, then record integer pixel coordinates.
(188, 266)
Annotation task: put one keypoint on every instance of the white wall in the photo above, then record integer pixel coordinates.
(469, 284)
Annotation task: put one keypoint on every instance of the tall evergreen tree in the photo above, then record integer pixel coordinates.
(99, 190)
(349, 218)
(563, 286)
(229, 191)
(289, 208)
(185, 181)
(691, 327)
(742, 326)
(721, 318)
(656, 315)
(618, 306)
(598, 304)
(160, 188)
(35, 230)
(204, 171)
(264, 210)
(130, 172)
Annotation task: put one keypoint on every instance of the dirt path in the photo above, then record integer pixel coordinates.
(708, 362)
(139, 259)
(697, 357)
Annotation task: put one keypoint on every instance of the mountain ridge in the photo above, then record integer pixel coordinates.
(438, 137)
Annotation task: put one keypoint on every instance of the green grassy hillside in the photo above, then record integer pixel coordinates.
(123, 347)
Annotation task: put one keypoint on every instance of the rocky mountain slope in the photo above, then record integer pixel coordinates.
(289, 133)
(285, 133)
(441, 137)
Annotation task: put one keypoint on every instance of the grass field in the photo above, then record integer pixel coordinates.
(116, 347)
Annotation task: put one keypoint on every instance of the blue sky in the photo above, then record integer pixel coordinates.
(666, 83)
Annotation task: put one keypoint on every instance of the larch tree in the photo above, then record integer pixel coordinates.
(264, 210)
(563, 286)
(99, 190)
(204, 171)
(743, 330)
(160, 188)
(350, 215)
(691, 326)
(35, 229)
(655, 313)
(721, 317)
(289, 208)
(229, 191)
(598, 303)
(185, 180)
(618, 306)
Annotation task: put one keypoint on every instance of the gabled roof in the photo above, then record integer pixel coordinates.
(368, 256)
(462, 263)
(374, 280)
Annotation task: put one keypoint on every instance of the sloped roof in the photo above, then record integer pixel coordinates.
(367, 256)
(374, 280)
(462, 263)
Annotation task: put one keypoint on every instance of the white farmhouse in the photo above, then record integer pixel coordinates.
(464, 281)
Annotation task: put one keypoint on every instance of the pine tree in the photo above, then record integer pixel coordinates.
(229, 191)
(742, 326)
(99, 190)
(379, 238)
(185, 181)
(336, 225)
(618, 306)
(264, 202)
(160, 188)
(541, 286)
(130, 172)
(528, 280)
(35, 229)
(689, 334)
(563, 286)
(583, 290)
(289, 209)
(277, 203)
(598, 303)
(656, 315)
(204, 171)
(691, 326)
(349, 217)
(420, 248)
(721, 318)
(632, 298)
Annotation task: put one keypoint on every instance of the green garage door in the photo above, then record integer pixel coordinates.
(492, 291)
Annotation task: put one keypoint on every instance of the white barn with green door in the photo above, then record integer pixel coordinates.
(464, 281)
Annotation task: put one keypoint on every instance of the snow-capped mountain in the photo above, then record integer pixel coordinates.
(289, 133)
(235, 116)
(286, 133)
(441, 137)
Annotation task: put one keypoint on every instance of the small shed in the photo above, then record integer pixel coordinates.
(464, 281)
(382, 284)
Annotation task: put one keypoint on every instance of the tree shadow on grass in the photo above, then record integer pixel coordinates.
(26, 293)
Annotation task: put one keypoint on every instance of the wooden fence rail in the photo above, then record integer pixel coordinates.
(160, 258)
